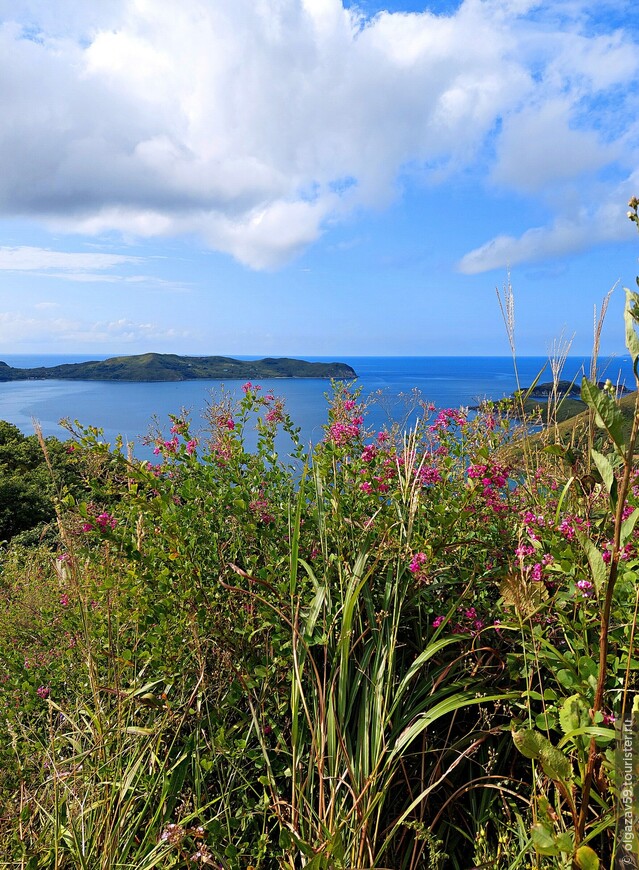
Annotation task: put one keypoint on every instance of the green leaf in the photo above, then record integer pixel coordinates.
(631, 317)
(607, 413)
(566, 678)
(528, 742)
(573, 714)
(628, 526)
(554, 763)
(598, 568)
(586, 859)
(545, 721)
(543, 840)
(607, 473)
(565, 842)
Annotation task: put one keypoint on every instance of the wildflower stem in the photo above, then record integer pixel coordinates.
(605, 618)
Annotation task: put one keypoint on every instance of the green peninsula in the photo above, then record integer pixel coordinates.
(170, 367)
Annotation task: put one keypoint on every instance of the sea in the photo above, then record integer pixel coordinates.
(389, 386)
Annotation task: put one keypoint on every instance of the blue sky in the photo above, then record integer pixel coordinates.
(315, 176)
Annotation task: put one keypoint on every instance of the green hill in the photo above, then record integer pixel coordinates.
(170, 367)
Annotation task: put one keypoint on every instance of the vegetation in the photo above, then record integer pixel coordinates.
(404, 650)
(561, 401)
(27, 487)
(170, 367)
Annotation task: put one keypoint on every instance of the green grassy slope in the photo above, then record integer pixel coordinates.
(171, 367)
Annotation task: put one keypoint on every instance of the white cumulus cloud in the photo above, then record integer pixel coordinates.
(254, 125)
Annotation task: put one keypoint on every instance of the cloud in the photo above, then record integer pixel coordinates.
(31, 259)
(538, 148)
(16, 327)
(255, 125)
(81, 267)
(564, 236)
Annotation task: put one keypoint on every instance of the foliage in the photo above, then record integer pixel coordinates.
(395, 650)
(27, 489)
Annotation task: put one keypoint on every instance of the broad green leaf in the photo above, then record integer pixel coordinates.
(573, 714)
(566, 678)
(586, 859)
(543, 840)
(554, 762)
(545, 721)
(607, 473)
(607, 413)
(595, 560)
(628, 526)
(528, 742)
(565, 842)
(631, 318)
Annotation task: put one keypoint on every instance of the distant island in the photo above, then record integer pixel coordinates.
(569, 401)
(171, 367)
(566, 389)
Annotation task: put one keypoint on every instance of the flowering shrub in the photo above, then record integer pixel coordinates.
(398, 649)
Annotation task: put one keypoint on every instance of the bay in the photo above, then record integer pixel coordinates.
(389, 383)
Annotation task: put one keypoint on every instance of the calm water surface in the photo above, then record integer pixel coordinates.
(128, 408)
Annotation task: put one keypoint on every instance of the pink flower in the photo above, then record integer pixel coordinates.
(369, 453)
(190, 446)
(524, 550)
(64, 600)
(536, 572)
(429, 475)
(43, 692)
(438, 621)
(105, 521)
(417, 563)
(276, 413)
(260, 507)
(585, 587)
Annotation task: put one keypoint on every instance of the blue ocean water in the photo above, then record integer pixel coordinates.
(388, 382)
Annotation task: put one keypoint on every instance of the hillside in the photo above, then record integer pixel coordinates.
(569, 404)
(171, 367)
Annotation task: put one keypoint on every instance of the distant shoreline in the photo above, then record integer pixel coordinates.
(163, 368)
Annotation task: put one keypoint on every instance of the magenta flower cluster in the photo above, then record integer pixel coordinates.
(101, 521)
(262, 510)
(494, 484)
